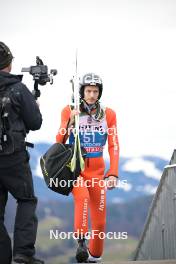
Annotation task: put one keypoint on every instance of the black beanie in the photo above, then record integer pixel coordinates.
(5, 56)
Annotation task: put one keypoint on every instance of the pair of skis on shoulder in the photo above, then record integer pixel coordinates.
(77, 144)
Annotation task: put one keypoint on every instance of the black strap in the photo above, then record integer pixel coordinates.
(97, 108)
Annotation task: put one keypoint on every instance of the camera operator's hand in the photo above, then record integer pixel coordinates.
(72, 117)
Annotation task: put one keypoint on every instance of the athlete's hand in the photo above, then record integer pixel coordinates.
(72, 116)
(111, 182)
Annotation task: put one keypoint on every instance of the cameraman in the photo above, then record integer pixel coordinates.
(19, 113)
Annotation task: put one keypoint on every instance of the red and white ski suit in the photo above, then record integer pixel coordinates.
(93, 195)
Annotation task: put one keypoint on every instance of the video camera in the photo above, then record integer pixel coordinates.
(40, 75)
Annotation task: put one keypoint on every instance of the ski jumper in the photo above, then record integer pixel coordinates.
(93, 136)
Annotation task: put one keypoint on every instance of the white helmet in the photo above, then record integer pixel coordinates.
(90, 79)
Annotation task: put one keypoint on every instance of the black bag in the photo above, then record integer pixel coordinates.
(55, 165)
(11, 140)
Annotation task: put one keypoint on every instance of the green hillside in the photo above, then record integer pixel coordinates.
(63, 250)
(59, 216)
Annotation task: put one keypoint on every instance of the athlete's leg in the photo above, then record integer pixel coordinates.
(95, 173)
(81, 203)
(98, 217)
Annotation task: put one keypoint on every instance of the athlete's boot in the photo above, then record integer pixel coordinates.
(82, 253)
(92, 259)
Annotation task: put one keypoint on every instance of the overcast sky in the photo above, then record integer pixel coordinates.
(130, 44)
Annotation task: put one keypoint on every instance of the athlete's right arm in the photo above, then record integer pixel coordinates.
(62, 134)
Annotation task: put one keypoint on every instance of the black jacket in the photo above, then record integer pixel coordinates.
(24, 112)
